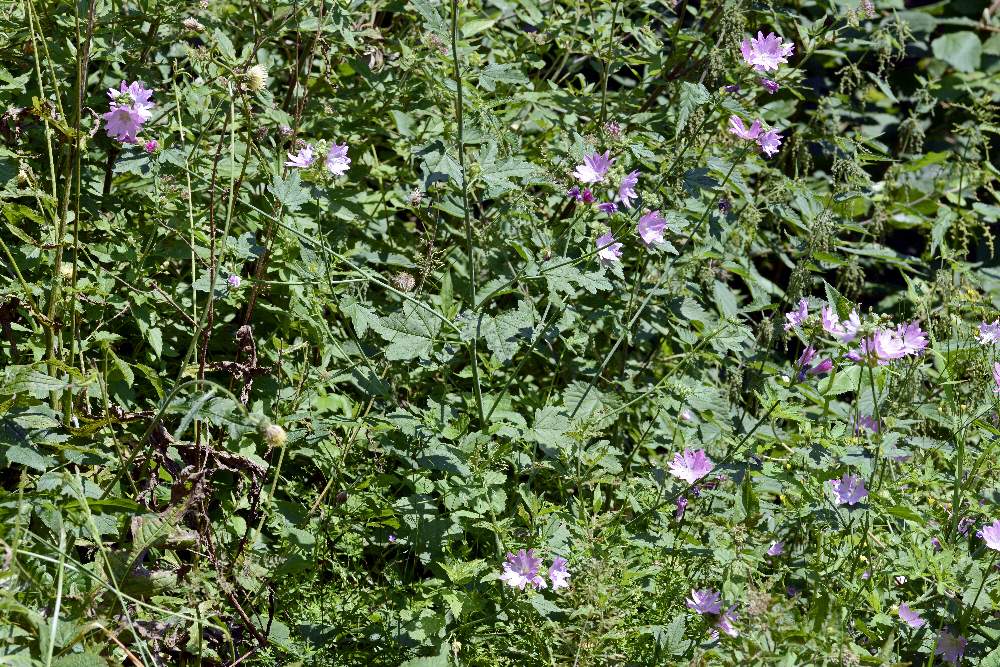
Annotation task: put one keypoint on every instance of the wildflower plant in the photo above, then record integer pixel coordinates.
(486, 333)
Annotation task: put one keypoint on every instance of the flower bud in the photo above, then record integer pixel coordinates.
(274, 435)
(256, 78)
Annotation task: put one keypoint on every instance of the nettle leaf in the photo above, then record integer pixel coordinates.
(961, 50)
(692, 96)
(493, 74)
(410, 333)
(362, 317)
(550, 428)
(497, 177)
(503, 333)
(432, 18)
(27, 457)
(289, 191)
(85, 659)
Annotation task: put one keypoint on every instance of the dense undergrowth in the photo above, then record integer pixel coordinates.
(499, 332)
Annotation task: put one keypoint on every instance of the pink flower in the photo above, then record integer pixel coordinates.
(991, 535)
(950, 647)
(849, 489)
(558, 574)
(865, 422)
(608, 207)
(650, 228)
(522, 570)
(704, 602)
(152, 145)
(989, 334)
(764, 54)
(129, 109)
(737, 127)
(337, 161)
(626, 190)
(881, 348)
(996, 377)
(769, 142)
(770, 86)
(851, 327)
(824, 366)
(910, 617)
(726, 622)
(607, 249)
(303, 159)
(830, 320)
(776, 549)
(798, 316)
(806, 357)
(914, 339)
(691, 465)
(594, 168)
(233, 281)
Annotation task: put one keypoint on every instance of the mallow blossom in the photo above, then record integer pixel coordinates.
(737, 127)
(608, 207)
(337, 161)
(727, 621)
(704, 602)
(650, 228)
(594, 168)
(796, 317)
(607, 249)
(865, 422)
(770, 86)
(776, 549)
(129, 108)
(910, 617)
(996, 377)
(764, 54)
(849, 490)
(991, 535)
(521, 570)
(989, 333)
(691, 466)
(951, 647)
(626, 190)
(846, 330)
(769, 142)
(558, 574)
(303, 159)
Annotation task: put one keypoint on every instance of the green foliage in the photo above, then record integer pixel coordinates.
(258, 414)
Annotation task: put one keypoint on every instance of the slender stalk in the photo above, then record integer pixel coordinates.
(469, 244)
(607, 64)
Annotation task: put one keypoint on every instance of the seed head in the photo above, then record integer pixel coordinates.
(256, 78)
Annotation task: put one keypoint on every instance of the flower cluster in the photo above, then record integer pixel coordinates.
(708, 603)
(336, 161)
(522, 569)
(129, 109)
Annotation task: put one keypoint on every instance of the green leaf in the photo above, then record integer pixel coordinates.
(961, 50)
(85, 659)
(493, 74)
(692, 96)
(410, 333)
(28, 458)
(289, 191)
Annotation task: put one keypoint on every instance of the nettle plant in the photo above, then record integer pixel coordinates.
(479, 333)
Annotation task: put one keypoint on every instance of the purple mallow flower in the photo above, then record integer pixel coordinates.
(727, 621)
(682, 504)
(764, 54)
(129, 109)
(337, 161)
(865, 422)
(522, 570)
(796, 317)
(233, 281)
(910, 617)
(776, 549)
(152, 145)
(737, 127)
(769, 142)
(650, 228)
(991, 535)
(989, 334)
(607, 249)
(914, 339)
(996, 377)
(558, 574)
(608, 207)
(849, 489)
(734, 88)
(303, 159)
(951, 647)
(704, 602)
(691, 466)
(626, 190)
(594, 168)
(770, 86)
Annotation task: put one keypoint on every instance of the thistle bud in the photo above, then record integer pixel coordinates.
(256, 78)
(274, 435)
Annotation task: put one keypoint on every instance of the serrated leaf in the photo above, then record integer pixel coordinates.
(85, 659)
(692, 96)
(493, 74)
(289, 191)
(410, 333)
